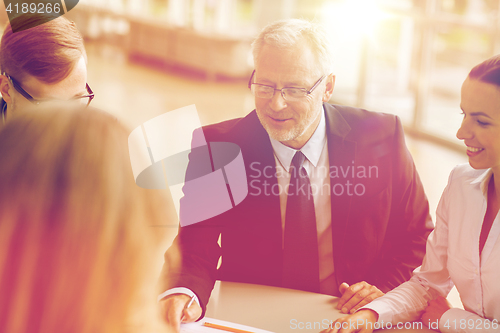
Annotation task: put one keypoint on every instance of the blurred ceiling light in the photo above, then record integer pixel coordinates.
(356, 17)
(351, 25)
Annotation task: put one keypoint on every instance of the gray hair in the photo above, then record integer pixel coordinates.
(285, 34)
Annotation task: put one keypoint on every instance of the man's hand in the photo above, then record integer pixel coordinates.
(435, 310)
(172, 310)
(363, 321)
(356, 296)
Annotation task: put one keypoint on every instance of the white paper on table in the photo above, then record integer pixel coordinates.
(198, 327)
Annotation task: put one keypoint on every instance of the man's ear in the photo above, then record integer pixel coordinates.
(330, 83)
(5, 89)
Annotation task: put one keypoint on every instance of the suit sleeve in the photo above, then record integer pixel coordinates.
(409, 222)
(191, 261)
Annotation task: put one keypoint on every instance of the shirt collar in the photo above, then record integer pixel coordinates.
(312, 149)
(483, 180)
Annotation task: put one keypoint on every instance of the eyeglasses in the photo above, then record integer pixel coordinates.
(290, 94)
(84, 100)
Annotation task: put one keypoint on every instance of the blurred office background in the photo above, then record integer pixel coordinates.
(406, 57)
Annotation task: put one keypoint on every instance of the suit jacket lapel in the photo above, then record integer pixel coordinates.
(258, 155)
(342, 154)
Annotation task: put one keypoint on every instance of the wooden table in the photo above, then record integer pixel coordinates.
(278, 310)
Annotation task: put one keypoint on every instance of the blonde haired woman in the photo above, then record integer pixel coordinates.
(464, 248)
(77, 254)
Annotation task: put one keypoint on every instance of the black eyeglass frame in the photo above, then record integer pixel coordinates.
(30, 98)
(308, 92)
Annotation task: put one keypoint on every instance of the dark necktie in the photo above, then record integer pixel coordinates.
(300, 251)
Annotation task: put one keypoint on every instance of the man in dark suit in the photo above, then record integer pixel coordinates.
(363, 199)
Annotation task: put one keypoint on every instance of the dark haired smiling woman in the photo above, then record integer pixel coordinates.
(464, 248)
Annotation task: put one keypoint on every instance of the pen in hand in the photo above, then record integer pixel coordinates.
(187, 307)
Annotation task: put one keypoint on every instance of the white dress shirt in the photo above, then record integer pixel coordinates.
(316, 165)
(452, 258)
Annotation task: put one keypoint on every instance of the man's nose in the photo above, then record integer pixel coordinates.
(277, 103)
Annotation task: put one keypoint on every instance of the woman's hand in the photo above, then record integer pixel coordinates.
(362, 321)
(434, 311)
